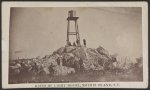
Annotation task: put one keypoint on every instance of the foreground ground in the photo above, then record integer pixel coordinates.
(91, 76)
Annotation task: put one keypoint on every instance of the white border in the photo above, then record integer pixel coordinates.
(5, 40)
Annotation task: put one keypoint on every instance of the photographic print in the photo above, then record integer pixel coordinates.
(76, 46)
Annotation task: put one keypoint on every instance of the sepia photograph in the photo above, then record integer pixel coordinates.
(76, 44)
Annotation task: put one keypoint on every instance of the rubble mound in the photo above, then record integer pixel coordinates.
(66, 60)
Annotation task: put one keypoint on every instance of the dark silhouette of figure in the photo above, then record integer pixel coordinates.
(58, 61)
(74, 44)
(81, 65)
(84, 42)
(77, 41)
(69, 43)
(77, 66)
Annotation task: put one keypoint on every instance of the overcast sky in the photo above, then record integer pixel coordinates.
(39, 31)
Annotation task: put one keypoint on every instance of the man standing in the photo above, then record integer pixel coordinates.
(74, 44)
(84, 42)
(77, 41)
(82, 65)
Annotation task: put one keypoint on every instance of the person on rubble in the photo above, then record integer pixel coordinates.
(74, 44)
(81, 65)
(77, 41)
(84, 42)
(58, 61)
(69, 43)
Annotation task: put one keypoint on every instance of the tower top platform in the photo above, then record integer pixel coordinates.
(72, 15)
(72, 18)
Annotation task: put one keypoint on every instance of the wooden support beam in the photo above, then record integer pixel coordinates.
(72, 33)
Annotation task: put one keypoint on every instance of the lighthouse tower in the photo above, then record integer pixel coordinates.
(72, 17)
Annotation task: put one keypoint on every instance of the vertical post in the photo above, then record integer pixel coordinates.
(68, 31)
(76, 29)
(78, 33)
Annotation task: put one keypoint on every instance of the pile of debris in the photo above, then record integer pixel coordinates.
(64, 61)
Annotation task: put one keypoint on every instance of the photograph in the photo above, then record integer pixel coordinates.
(76, 44)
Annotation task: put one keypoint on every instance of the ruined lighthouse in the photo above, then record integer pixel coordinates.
(72, 17)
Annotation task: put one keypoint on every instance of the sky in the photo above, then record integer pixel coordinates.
(38, 31)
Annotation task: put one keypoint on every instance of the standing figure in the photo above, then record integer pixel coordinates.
(82, 65)
(84, 42)
(69, 43)
(77, 41)
(74, 44)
